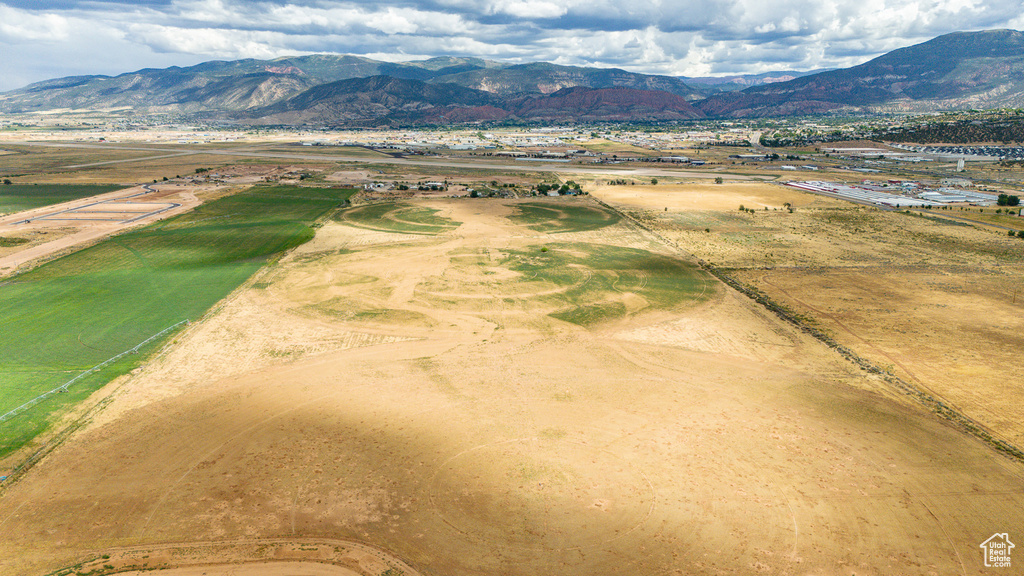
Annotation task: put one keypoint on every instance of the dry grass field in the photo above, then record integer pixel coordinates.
(936, 302)
(541, 387)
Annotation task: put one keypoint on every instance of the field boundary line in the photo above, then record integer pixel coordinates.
(64, 387)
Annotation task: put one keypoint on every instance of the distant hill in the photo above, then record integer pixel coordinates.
(380, 100)
(715, 84)
(384, 100)
(244, 84)
(1000, 130)
(958, 70)
(545, 78)
(606, 104)
(219, 85)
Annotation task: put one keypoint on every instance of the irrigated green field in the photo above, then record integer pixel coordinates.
(76, 312)
(555, 218)
(18, 197)
(397, 217)
(596, 277)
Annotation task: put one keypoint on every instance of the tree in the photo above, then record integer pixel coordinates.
(7, 181)
(718, 180)
(1002, 200)
(654, 180)
(1013, 201)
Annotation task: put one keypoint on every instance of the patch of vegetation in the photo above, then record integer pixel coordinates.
(18, 197)
(556, 218)
(395, 316)
(397, 217)
(8, 241)
(596, 277)
(592, 313)
(78, 311)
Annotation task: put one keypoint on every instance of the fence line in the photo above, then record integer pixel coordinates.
(63, 387)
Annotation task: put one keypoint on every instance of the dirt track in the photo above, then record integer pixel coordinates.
(470, 433)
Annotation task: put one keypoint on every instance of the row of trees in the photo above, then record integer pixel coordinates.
(1007, 200)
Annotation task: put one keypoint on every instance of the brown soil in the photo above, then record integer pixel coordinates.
(337, 398)
(707, 196)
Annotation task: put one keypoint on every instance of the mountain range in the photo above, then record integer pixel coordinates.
(959, 70)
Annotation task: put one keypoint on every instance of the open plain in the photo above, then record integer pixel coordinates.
(933, 301)
(514, 387)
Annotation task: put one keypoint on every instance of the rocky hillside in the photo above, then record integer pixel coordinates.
(963, 69)
(379, 100)
(383, 100)
(545, 78)
(247, 84)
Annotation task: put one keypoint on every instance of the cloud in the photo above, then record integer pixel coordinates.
(20, 26)
(676, 37)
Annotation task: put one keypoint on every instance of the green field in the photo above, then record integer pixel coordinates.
(598, 275)
(397, 217)
(18, 197)
(555, 218)
(78, 311)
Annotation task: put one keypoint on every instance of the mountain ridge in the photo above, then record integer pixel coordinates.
(381, 100)
(960, 69)
(983, 69)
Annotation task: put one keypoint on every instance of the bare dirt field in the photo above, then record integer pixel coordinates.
(442, 397)
(265, 557)
(707, 196)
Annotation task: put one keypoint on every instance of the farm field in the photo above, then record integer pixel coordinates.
(19, 197)
(518, 387)
(397, 217)
(936, 302)
(80, 310)
(113, 163)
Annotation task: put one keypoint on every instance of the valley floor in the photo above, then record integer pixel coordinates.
(476, 390)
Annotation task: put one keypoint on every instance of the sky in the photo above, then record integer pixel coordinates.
(42, 39)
